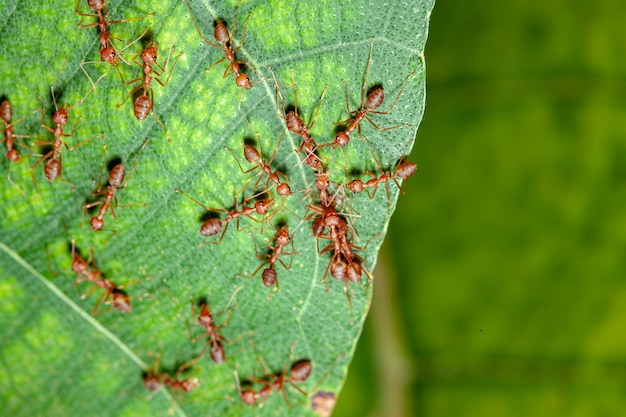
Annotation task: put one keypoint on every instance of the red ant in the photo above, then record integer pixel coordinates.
(215, 339)
(300, 372)
(53, 166)
(296, 125)
(269, 275)
(224, 41)
(108, 53)
(402, 171)
(6, 114)
(369, 103)
(144, 103)
(119, 299)
(254, 157)
(214, 225)
(116, 178)
(153, 380)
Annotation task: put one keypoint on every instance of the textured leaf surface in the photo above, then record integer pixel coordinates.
(59, 360)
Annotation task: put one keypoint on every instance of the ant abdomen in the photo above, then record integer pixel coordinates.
(301, 371)
(52, 169)
(211, 227)
(251, 154)
(375, 98)
(269, 277)
(294, 123)
(6, 111)
(116, 177)
(14, 156)
(406, 169)
(217, 353)
(96, 5)
(221, 33)
(142, 107)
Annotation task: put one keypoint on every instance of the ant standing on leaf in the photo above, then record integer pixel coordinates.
(214, 339)
(269, 275)
(214, 225)
(53, 166)
(116, 179)
(6, 114)
(224, 41)
(254, 156)
(144, 103)
(108, 52)
(370, 102)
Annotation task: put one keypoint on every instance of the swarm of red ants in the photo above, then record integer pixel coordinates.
(327, 208)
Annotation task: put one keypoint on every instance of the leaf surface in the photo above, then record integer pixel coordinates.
(57, 359)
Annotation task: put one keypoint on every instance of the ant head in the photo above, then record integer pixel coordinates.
(189, 384)
(243, 81)
(342, 139)
(120, 301)
(262, 206)
(6, 111)
(96, 224)
(109, 54)
(149, 55)
(14, 156)
(283, 189)
(356, 186)
(205, 318)
(151, 380)
(61, 116)
(301, 370)
(248, 396)
(79, 265)
(322, 182)
(282, 238)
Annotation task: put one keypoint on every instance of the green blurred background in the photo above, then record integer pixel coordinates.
(502, 287)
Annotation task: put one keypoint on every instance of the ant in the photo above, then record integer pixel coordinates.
(214, 339)
(214, 225)
(402, 171)
(119, 299)
(370, 102)
(269, 275)
(153, 380)
(108, 53)
(53, 166)
(300, 372)
(296, 125)
(224, 41)
(116, 178)
(6, 114)
(254, 157)
(144, 103)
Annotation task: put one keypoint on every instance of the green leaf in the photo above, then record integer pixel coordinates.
(57, 359)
